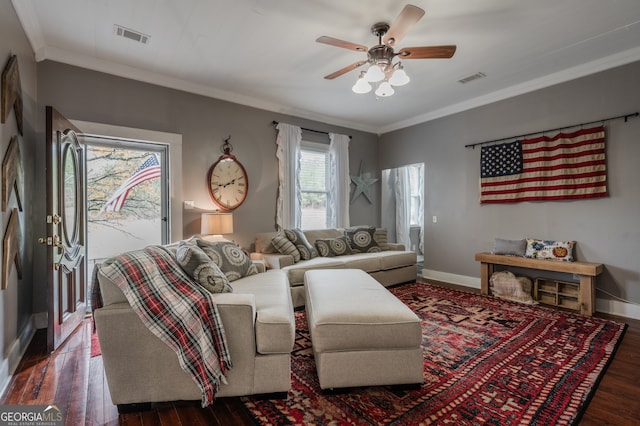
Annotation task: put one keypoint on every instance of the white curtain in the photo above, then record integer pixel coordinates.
(421, 207)
(403, 207)
(339, 181)
(288, 206)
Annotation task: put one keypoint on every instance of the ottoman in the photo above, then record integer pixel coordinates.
(362, 335)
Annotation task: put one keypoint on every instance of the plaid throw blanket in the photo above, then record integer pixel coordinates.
(175, 309)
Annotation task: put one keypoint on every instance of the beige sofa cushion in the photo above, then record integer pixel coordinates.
(296, 271)
(396, 259)
(275, 325)
(315, 234)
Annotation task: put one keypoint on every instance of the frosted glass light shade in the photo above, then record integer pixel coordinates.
(399, 77)
(384, 90)
(374, 74)
(361, 86)
(216, 223)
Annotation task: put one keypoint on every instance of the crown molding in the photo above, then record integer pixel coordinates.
(603, 64)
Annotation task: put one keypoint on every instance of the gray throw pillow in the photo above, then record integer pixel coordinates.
(229, 257)
(510, 247)
(297, 237)
(285, 246)
(330, 247)
(195, 262)
(361, 239)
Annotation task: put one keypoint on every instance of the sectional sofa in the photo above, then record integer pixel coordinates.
(260, 330)
(391, 265)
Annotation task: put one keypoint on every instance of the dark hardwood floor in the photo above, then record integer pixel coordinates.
(75, 382)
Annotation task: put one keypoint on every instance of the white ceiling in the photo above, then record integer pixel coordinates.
(263, 53)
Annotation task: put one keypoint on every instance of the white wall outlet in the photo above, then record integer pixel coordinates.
(435, 219)
(189, 205)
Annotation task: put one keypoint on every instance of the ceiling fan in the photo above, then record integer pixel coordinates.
(380, 56)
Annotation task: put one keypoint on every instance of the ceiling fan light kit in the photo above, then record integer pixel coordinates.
(382, 69)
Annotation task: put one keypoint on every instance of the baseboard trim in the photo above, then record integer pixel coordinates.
(446, 277)
(606, 306)
(15, 353)
(615, 307)
(41, 320)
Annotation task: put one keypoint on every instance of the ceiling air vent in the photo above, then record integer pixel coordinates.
(472, 77)
(131, 34)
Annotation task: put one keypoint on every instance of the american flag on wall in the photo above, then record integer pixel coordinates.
(563, 167)
(149, 169)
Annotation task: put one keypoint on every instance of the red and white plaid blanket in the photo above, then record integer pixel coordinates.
(175, 309)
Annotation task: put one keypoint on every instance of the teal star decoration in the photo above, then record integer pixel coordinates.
(363, 184)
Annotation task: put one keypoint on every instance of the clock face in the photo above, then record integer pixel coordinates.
(228, 183)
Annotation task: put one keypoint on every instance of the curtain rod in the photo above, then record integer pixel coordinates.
(626, 117)
(275, 123)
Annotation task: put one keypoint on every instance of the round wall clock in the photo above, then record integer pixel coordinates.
(227, 180)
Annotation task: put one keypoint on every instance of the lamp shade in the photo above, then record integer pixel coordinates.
(384, 90)
(399, 77)
(374, 74)
(216, 223)
(361, 86)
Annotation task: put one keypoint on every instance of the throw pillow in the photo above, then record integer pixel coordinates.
(510, 247)
(330, 247)
(361, 239)
(229, 257)
(285, 246)
(381, 238)
(549, 249)
(297, 237)
(195, 262)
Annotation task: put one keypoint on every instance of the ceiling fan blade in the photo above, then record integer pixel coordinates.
(427, 52)
(345, 70)
(403, 23)
(341, 43)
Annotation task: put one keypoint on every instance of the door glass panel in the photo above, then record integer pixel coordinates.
(70, 194)
(124, 200)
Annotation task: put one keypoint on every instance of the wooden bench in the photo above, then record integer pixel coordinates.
(586, 270)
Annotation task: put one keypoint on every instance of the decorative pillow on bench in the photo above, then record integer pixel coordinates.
(331, 247)
(510, 247)
(549, 249)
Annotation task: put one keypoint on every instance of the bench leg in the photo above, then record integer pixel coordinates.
(486, 270)
(587, 294)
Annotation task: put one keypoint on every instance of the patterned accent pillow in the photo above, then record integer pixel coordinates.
(381, 238)
(285, 246)
(195, 262)
(229, 257)
(510, 247)
(330, 247)
(549, 249)
(361, 239)
(297, 237)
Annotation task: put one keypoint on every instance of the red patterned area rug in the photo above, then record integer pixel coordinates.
(486, 361)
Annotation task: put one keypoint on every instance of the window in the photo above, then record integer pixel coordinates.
(314, 185)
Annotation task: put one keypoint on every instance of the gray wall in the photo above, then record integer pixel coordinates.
(86, 95)
(16, 300)
(607, 230)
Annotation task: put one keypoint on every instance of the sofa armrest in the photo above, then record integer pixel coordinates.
(277, 261)
(396, 246)
(133, 358)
